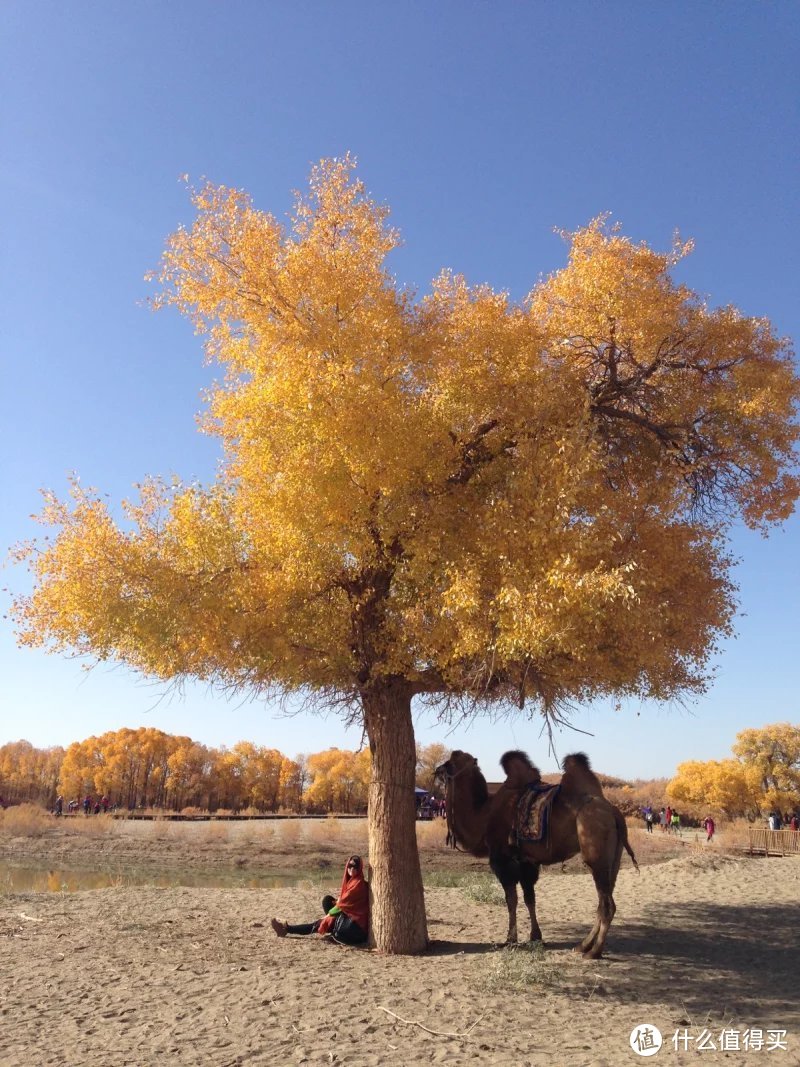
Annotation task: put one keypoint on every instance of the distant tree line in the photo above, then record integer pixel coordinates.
(152, 769)
(147, 768)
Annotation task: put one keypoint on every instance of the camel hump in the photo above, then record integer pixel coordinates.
(578, 775)
(519, 769)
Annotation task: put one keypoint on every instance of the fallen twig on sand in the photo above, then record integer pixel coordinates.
(436, 1033)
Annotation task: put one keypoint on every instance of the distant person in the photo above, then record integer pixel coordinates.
(710, 827)
(105, 803)
(668, 819)
(346, 918)
(793, 823)
(87, 803)
(648, 819)
(675, 822)
(59, 808)
(774, 821)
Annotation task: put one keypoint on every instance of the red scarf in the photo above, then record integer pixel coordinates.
(353, 900)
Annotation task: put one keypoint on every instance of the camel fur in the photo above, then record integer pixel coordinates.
(581, 821)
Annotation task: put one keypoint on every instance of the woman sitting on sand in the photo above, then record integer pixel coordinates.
(347, 918)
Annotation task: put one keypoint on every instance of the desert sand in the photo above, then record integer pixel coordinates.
(703, 941)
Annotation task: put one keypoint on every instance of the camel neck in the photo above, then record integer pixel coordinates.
(469, 816)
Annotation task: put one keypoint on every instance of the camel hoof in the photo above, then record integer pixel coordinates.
(592, 953)
(585, 950)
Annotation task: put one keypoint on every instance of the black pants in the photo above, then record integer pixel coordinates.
(344, 929)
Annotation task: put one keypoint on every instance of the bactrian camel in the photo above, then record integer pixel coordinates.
(581, 821)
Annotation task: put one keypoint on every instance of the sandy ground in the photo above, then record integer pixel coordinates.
(139, 976)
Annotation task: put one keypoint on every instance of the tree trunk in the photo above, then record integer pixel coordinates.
(397, 900)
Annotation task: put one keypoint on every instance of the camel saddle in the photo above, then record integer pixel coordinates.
(532, 821)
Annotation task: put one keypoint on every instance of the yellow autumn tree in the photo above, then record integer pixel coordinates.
(339, 780)
(764, 775)
(132, 767)
(293, 775)
(452, 497)
(28, 773)
(773, 754)
(429, 757)
(728, 786)
(190, 767)
(257, 771)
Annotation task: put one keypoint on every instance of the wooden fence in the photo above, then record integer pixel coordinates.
(765, 842)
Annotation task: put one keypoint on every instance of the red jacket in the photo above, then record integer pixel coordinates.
(353, 899)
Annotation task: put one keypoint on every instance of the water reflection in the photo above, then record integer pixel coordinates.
(15, 879)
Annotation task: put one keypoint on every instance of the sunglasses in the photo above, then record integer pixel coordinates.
(354, 865)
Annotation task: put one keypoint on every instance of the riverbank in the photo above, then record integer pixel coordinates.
(263, 847)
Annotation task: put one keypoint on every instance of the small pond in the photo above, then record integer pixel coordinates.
(19, 879)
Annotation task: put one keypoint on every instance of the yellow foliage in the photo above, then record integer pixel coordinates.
(429, 757)
(28, 773)
(720, 785)
(339, 780)
(514, 501)
(151, 769)
(774, 752)
(764, 776)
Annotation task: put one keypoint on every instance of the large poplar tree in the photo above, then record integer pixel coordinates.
(450, 497)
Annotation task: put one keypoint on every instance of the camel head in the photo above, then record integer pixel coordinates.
(467, 801)
(451, 768)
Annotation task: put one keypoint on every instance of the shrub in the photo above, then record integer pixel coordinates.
(26, 820)
(520, 967)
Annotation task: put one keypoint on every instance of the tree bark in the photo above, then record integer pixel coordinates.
(397, 900)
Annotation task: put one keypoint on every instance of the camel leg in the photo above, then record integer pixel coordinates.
(592, 946)
(511, 903)
(507, 874)
(529, 874)
(604, 879)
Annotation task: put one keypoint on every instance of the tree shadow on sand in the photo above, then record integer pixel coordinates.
(739, 960)
(448, 947)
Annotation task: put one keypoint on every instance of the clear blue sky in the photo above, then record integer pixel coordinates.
(483, 126)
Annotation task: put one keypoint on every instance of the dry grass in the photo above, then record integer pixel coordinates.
(26, 820)
(89, 826)
(288, 832)
(324, 831)
(736, 834)
(29, 820)
(215, 833)
(345, 835)
(730, 837)
(431, 834)
(520, 968)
